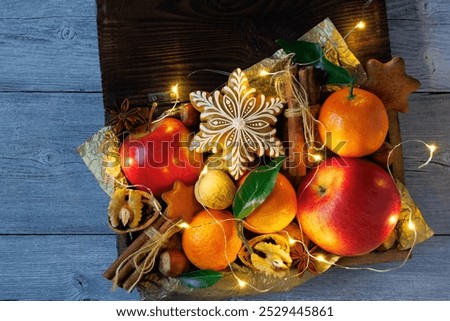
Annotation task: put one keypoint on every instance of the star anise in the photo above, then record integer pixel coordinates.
(302, 259)
(124, 118)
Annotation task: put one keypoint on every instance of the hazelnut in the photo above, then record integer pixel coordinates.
(173, 263)
(215, 190)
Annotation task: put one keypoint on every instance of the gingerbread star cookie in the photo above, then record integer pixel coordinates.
(390, 83)
(238, 123)
(181, 202)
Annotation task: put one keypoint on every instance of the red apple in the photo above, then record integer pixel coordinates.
(155, 160)
(348, 206)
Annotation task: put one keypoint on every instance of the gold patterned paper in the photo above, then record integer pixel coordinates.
(411, 227)
(228, 286)
(100, 153)
(335, 48)
(272, 66)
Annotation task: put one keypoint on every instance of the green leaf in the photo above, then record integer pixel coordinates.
(335, 74)
(255, 189)
(309, 53)
(200, 279)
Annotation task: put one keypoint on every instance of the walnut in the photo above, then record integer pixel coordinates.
(215, 190)
(269, 254)
(129, 209)
(271, 259)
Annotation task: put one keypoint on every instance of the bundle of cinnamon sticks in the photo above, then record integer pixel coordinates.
(127, 270)
(297, 159)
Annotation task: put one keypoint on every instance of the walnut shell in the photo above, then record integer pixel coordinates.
(270, 255)
(215, 190)
(131, 210)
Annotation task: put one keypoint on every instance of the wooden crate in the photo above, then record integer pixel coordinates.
(148, 45)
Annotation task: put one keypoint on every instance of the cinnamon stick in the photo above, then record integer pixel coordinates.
(309, 77)
(138, 243)
(129, 281)
(295, 165)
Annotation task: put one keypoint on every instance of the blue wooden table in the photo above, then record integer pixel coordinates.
(54, 240)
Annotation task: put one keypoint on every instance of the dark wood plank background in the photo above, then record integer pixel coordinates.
(147, 46)
(54, 240)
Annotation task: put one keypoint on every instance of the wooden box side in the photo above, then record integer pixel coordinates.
(145, 46)
(148, 46)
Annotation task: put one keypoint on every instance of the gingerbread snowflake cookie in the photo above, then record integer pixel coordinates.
(238, 123)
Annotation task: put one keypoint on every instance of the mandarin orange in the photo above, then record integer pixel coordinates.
(353, 125)
(211, 241)
(277, 210)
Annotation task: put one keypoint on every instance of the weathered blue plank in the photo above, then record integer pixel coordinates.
(47, 194)
(418, 32)
(59, 267)
(49, 9)
(69, 267)
(46, 188)
(48, 46)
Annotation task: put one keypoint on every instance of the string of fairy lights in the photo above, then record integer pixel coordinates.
(317, 156)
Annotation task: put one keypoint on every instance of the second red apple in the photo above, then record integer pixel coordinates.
(348, 206)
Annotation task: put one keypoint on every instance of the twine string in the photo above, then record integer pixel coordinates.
(300, 108)
(157, 241)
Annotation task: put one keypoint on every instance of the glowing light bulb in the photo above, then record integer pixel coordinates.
(411, 225)
(183, 225)
(316, 157)
(321, 258)
(291, 240)
(432, 148)
(204, 171)
(128, 162)
(242, 284)
(174, 90)
(393, 219)
(360, 25)
(263, 73)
